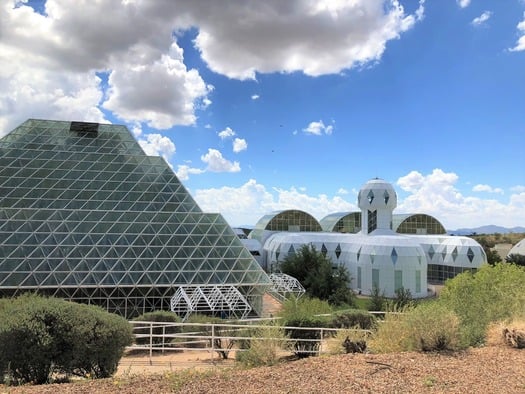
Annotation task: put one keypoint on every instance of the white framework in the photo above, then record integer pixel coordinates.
(224, 299)
(284, 285)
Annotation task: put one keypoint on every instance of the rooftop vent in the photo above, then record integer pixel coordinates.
(88, 129)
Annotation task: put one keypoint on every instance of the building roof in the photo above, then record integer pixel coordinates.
(286, 220)
(82, 207)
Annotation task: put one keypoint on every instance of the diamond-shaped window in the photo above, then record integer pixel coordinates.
(386, 196)
(324, 250)
(359, 253)
(431, 252)
(393, 255)
(338, 250)
(370, 196)
(455, 253)
(470, 254)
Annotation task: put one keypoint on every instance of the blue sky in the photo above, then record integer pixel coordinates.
(261, 106)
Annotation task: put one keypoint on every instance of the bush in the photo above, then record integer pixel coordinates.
(306, 342)
(294, 308)
(491, 294)
(263, 348)
(433, 327)
(336, 344)
(403, 298)
(428, 327)
(496, 332)
(221, 345)
(305, 312)
(44, 336)
(157, 331)
(377, 301)
(354, 319)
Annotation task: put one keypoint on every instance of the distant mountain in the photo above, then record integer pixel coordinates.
(490, 229)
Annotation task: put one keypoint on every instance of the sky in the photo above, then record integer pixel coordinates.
(268, 105)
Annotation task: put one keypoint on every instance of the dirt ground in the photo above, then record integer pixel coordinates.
(136, 364)
(492, 369)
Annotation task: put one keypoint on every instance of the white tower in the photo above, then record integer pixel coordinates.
(377, 200)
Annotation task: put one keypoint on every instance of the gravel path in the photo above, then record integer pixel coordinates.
(492, 369)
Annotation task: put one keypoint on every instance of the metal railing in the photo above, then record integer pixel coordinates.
(219, 339)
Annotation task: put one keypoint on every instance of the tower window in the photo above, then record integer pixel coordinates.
(372, 221)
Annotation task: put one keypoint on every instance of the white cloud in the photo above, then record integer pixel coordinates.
(436, 194)
(342, 191)
(520, 45)
(318, 128)
(463, 3)
(183, 172)
(485, 16)
(217, 163)
(157, 145)
(49, 64)
(255, 96)
(518, 188)
(239, 144)
(162, 93)
(251, 201)
(487, 188)
(420, 12)
(50, 61)
(226, 133)
(313, 37)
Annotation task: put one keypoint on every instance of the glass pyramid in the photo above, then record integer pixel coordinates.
(85, 215)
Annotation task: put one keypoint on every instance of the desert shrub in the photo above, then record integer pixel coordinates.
(377, 301)
(306, 313)
(263, 348)
(491, 294)
(426, 327)
(354, 319)
(496, 331)
(294, 308)
(157, 331)
(306, 337)
(44, 336)
(403, 298)
(433, 327)
(336, 344)
(222, 346)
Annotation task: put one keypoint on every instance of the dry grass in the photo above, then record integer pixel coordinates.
(495, 335)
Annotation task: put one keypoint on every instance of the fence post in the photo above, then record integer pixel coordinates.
(321, 341)
(212, 341)
(163, 337)
(150, 342)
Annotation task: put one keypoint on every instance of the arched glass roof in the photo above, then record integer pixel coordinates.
(288, 220)
(342, 222)
(519, 248)
(419, 223)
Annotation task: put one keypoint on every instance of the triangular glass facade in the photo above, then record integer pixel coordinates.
(85, 215)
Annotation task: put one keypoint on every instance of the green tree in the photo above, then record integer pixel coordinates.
(493, 257)
(517, 259)
(319, 277)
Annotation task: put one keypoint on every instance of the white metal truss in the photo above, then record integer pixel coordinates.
(226, 300)
(284, 285)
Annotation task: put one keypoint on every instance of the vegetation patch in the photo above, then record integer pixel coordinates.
(42, 339)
